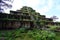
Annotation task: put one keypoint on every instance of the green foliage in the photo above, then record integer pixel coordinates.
(23, 34)
(41, 35)
(57, 35)
(53, 27)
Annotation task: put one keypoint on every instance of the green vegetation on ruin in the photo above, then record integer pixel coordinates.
(36, 33)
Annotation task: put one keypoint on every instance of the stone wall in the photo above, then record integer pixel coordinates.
(9, 24)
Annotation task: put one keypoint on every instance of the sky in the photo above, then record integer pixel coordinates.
(44, 7)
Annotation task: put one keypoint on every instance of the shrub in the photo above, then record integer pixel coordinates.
(35, 34)
(41, 35)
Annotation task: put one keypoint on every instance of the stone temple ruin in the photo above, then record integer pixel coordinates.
(26, 17)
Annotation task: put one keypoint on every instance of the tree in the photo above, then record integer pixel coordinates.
(54, 18)
(4, 5)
